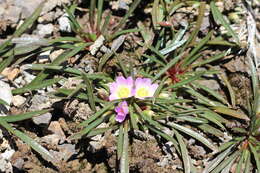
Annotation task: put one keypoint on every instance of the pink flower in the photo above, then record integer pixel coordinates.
(121, 88)
(122, 111)
(144, 88)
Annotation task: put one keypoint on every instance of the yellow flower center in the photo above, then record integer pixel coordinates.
(142, 92)
(123, 92)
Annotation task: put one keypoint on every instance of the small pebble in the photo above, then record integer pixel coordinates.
(45, 30)
(64, 23)
(18, 100)
(6, 95)
(55, 128)
(55, 54)
(42, 119)
(44, 57)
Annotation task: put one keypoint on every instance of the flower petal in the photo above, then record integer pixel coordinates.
(120, 118)
(121, 88)
(121, 110)
(144, 88)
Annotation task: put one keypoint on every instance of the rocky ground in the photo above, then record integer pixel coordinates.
(98, 153)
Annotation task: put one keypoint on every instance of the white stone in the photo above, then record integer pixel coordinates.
(97, 44)
(55, 54)
(64, 23)
(44, 57)
(45, 30)
(42, 119)
(6, 95)
(18, 100)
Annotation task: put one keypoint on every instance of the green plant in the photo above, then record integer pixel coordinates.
(169, 58)
(242, 151)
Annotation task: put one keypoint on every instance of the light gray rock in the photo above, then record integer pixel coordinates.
(55, 128)
(5, 164)
(42, 119)
(67, 150)
(52, 139)
(18, 100)
(6, 95)
(64, 23)
(47, 18)
(40, 102)
(19, 162)
(45, 30)
(27, 6)
(51, 4)
(27, 78)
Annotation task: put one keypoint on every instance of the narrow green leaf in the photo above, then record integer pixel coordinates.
(87, 129)
(92, 13)
(215, 162)
(124, 161)
(211, 92)
(151, 59)
(230, 89)
(73, 22)
(211, 130)
(64, 39)
(122, 66)
(256, 156)
(146, 118)
(209, 60)
(29, 88)
(201, 98)
(64, 93)
(155, 13)
(225, 163)
(2, 102)
(230, 112)
(211, 117)
(105, 24)
(99, 13)
(130, 11)
(240, 162)
(120, 141)
(199, 22)
(124, 32)
(190, 58)
(29, 21)
(185, 81)
(159, 89)
(248, 163)
(191, 119)
(218, 17)
(97, 114)
(184, 153)
(24, 49)
(133, 118)
(90, 92)
(24, 116)
(167, 67)
(172, 47)
(73, 71)
(166, 136)
(255, 86)
(60, 59)
(194, 135)
(6, 62)
(227, 168)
